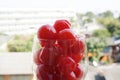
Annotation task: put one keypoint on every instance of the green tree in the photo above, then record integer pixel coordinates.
(111, 24)
(21, 43)
(111, 28)
(85, 18)
(106, 14)
(101, 33)
(105, 21)
(88, 20)
(90, 14)
(119, 18)
(95, 46)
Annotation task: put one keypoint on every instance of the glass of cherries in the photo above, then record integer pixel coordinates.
(59, 53)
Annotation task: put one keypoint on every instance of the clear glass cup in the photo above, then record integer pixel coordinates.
(60, 59)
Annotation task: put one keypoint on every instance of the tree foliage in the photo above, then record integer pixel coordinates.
(95, 46)
(101, 33)
(106, 14)
(90, 14)
(111, 24)
(21, 43)
(85, 18)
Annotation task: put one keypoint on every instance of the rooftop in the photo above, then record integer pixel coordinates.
(15, 63)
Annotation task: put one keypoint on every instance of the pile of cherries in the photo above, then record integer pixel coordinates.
(60, 53)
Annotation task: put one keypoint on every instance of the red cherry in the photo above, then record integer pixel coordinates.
(67, 22)
(57, 77)
(66, 34)
(46, 34)
(66, 64)
(78, 46)
(47, 43)
(36, 57)
(43, 72)
(77, 57)
(66, 39)
(61, 24)
(58, 49)
(78, 72)
(70, 76)
(62, 50)
(48, 56)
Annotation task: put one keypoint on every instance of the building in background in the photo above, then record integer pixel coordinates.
(16, 66)
(27, 21)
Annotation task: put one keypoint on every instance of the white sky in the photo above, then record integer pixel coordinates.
(72, 5)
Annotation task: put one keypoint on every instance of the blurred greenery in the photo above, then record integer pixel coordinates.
(21, 43)
(111, 23)
(95, 47)
(2, 34)
(111, 28)
(90, 14)
(101, 33)
(85, 18)
(106, 14)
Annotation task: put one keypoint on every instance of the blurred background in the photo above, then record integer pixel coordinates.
(98, 20)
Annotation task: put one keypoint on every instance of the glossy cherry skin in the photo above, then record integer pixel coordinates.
(59, 50)
(66, 39)
(78, 50)
(46, 35)
(58, 76)
(43, 72)
(36, 57)
(66, 34)
(70, 76)
(49, 55)
(46, 32)
(77, 57)
(78, 46)
(78, 71)
(61, 24)
(66, 64)
(67, 22)
(46, 43)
